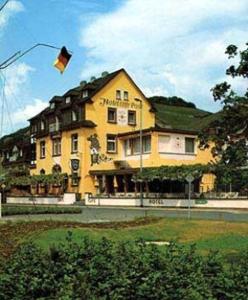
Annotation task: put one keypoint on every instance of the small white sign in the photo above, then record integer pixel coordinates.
(122, 116)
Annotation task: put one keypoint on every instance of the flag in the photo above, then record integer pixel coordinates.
(62, 60)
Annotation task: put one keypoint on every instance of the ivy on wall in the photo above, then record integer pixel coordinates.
(178, 173)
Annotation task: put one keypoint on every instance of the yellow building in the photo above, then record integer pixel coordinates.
(92, 133)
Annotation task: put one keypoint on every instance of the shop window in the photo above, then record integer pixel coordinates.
(131, 117)
(189, 145)
(125, 95)
(111, 143)
(42, 149)
(111, 115)
(56, 147)
(74, 143)
(118, 95)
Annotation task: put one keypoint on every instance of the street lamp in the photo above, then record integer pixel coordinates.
(141, 150)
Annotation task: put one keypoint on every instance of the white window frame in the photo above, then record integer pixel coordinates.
(113, 140)
(57, 147)
(118, 94)
(74, 143)
(42, 149)
(125, 95)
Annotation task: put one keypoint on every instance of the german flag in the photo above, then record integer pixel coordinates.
(62, 60)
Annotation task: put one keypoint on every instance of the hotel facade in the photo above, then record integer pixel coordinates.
(92, 134)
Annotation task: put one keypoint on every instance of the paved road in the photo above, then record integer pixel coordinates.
(108, 214)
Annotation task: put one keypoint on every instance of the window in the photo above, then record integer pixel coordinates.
(42, 125)
(85, 93)
(189, 145)
(136, 146)
(33, 128)
(111, 115)
(125, 95)
(74, 143)
(131, 117)
(68, 100)
(146, 144)
(163, 143)
(132, 146)
(42, 149)
(20, 153)
(56, 147)
(56, 169)
(118, 95)
(74, 179)
(111, 143)
(42, 172)
(52, 105)
(74, 116)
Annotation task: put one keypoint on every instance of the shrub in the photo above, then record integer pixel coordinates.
(10, 210)
(105, 270)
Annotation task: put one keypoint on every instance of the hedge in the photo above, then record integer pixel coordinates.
(10, 210)
(108, 271)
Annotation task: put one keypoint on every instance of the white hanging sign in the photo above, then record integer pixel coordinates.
(122, 116)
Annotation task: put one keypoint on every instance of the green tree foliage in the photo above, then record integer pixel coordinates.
(174, 101)
(229, 131)
(105, 270)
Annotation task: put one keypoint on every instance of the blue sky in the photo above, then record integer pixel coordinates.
(169, 47)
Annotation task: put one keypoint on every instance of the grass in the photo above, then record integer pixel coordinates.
(227, 237)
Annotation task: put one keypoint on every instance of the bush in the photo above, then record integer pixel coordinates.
(105, 270)
(10, 210)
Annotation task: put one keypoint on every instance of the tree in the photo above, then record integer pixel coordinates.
(229, 130)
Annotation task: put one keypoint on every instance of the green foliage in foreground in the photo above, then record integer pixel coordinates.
(126, 270)
(10, 210)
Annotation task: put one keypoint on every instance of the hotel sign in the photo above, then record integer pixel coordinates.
(119, 103)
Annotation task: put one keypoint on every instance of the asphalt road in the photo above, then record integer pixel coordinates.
(108, 214)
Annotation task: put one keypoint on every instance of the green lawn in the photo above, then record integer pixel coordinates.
(228, 237)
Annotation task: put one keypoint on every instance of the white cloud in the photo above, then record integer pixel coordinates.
(170, 46)
(16, 77)
(11, 8)
(28, 111)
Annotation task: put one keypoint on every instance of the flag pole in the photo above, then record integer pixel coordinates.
(20, 54)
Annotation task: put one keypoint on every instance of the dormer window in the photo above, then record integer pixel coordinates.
(42, 125)
(68, 100)
(52, 105)
(85, 93)
(73, 116)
